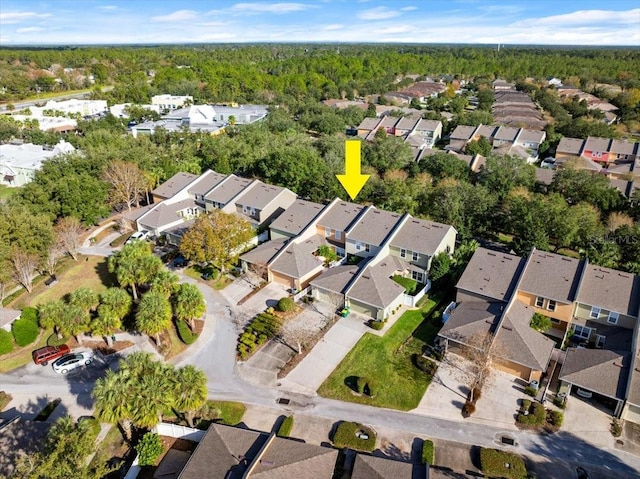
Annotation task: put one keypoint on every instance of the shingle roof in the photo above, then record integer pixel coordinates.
(488, 131)
(634, 386)
(264, 252)
(297, 260)
(173, 185)
(7, 315)
(463, 132)
(295, 218)
(206, 182)
(518, 342)
(610, 289)
(406, 124)
(535, 136)
(599, 370)
(389, 121)
(228, 189)
(374, 226)
(472, 317)
(369, 124)
(491, 274)
(165, 213)
(372, 467)
(340, 216)
(336, 279)
(421, 236)
(375, 287)
(259, 195)
(623, 147)
(572, 146)
(596, 144)
(552, 276)
(544, 175)
(506, 133)
(428, 125)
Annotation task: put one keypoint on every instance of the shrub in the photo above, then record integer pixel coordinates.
(345, 436)
(6, 342)
(92, 424)
(425, 365)
(530, 391)
(556, 418)
(286, 304)
(30, 314)
(526, 404)
(148, 449)
(495, 463)
(535, 415)
(428, 452)
(4, 400)
(468, 409)
(285, 428)
(540, 323)
(184, 332)
(24, 331)
(559, 402)
(361, 383)
(377, 325)
(539, 412)
(477, 393)
(616, 428)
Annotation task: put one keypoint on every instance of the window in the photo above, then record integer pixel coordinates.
(358, 246)
(582, 331)
(416, 276)
(403, 253)
(555, 321)
(551, 305)
(600, 341)
(340, 252)
(328, 232)
(416, 256)
(539, 302)
(253, 211)
(367, 248)
(613, 317)
(338, 234)
(245, 210)
(595, 312)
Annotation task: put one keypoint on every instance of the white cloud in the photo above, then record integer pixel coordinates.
(378, 13)
(408, 9)
(108, 7)
(333, 26)
(216, 37)
(177, 16)
(17, 17)
(212, 24)
(395, 29)
(585, 17)
(278, 8)
(29, 30)
(501, 9)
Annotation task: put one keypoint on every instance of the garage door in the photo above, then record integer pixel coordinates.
(362, 308)
(282, 279)
(514, 369)
(633, 414)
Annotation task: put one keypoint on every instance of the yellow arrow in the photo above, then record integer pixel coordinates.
(352, 181)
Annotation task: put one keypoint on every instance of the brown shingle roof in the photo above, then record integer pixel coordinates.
(533, 136)
(463, 132)
(421, 236)
(506, 133)
(552, 276)
(369, 124)
(491, 274)
(610, 289)
(372, 467)
(173, 185)
(295, 218)
(488, 131)
(227, 189)
(336, 279)
(428, 125)
(570, 146)
(472, 317)
(598, 370)
(374, 226)
(596, 144)
(297, 260)
(623, 147)
(634, 386)
(340, 216)
(206, 182)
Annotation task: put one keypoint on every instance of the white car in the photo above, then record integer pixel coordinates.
(69, 362)
(138, 235)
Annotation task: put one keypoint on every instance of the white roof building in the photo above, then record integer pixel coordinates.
(73, 106)
(18, 163)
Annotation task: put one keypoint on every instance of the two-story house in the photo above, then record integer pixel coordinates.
(596, 149)
(260, 203)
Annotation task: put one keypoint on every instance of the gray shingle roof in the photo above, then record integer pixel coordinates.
(295, 218)
(634, 386)
(374, 226)
(340, 215)
(375, 287)
(228, 189)
(421, 236)
(623, 147)
(552, 276)
(336, 279)
(206, 182)
(264, 252)
(259, 195)
(571, 146)
(369, 124)
(610, 289)
(463, 132)
(173, 185)
(297, 260)
(488, 131)
(518, 342)
(287, 459)
(165, 213)
(597, 144)
(506, 133)
(598, 370)
(428, 125)
(491, 274)
(534, 136)
(472, 317)
(406, 124)
(372, 467)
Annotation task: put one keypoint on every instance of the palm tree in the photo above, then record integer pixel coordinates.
(154, 314)
(134, 264)
(76, 321)
(51, 315)
(84, 298)
(190, 391)
(188, 304)
(106, 323)
(111, 405)
(117, 300)
(166, 282)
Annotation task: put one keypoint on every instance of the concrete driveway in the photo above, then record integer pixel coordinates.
(588, 422)
(262, 368)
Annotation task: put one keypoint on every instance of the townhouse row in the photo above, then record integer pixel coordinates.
(418, 132)
(594, 312)
(600, 150)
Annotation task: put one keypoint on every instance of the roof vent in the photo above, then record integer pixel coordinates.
(508, 328)
(491, 254)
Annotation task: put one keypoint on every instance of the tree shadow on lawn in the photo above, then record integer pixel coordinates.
(352, 383)
(107, 278)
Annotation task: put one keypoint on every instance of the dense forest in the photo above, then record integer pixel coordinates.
(301, 143)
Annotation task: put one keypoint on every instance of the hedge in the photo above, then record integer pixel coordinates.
(6, 342)
(537, 415)
(345, 436)
(377, 325)
(285, 428)
(120, 240)
(148, 449)
(286, 304)
(428, 452)
(556, 418)
(92, 424)
(30, 314)
(185, 333)
(24, 331)
(494, 464)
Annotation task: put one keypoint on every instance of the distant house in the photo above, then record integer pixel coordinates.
(18, 163)
(171, 102)
(72, 107)
(502, 85)
(417, 132)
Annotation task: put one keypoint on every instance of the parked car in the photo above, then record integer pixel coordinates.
(180, 261)
(49, 353)
(584, 394)
(138, 235)
(72, 361)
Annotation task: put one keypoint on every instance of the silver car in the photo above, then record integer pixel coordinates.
(68, 362)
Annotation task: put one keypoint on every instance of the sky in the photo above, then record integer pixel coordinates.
(552, 22)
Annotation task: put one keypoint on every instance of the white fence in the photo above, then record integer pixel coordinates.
(180, 432)
(413, 300)
(300, 294)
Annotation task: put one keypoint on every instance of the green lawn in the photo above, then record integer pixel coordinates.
(387, 361)
(21, 356)
(6, 192)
